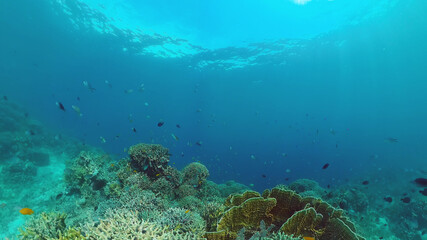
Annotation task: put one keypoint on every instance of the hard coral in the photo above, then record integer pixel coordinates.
(195, 174)
(151, 159)
(46, 226)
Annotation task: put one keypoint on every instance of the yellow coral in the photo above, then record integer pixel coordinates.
(237, 199)
(248, 215)
(302, 223)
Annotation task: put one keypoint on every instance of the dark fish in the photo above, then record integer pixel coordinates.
(263, 176)
(178, 126)
(60, 106)
(388, 199)
(325, 166)
(424, 192)
(392, 140)
(5, 98)
(287, 179)
(406, 200)
(134, 130)
(365, 182)
(421, 182)
(329, 186)
(159, 124)
(199, 143)
(32, 133)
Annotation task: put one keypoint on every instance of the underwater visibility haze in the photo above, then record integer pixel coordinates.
(278, 119)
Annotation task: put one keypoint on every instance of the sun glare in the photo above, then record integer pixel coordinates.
(301, 2)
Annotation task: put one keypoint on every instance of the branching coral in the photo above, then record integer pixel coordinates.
(46, 226)
(182, 221)
(151, 159)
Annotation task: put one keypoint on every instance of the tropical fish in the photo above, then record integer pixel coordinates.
(365, 182)
(174, 137)
(199, 143)
(158, 174)
(146, 104)
(253, 157)
(309, 238)
(406, 200)
(129, 91)
(108, 83)
(87, 85)
(134, 130)
(325, 166)
(77, 110)
(60, 106)
(421, 182)
(178, 126)
(391, 140)
(103, 139)
(26, 211)
(159, 124)
(388, 199)
(187, 211)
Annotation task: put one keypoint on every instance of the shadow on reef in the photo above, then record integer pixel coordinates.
(142, 197)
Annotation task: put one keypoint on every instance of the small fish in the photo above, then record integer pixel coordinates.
(26, 211)
(77, 110)
(263, 176)
(178, 126)
(141, 87)
(5, 98)
(309, 238)
(253, 157)
(391, 140)
(134, 130)
(159, 124)
(158, 174)
(108, 83)
(174, 137)
(182, 154)
(187, 211)
(127, 91)
(325, 166)
(146, 104)
(103, 139)
(60, 106)
(332, 131)
(251, 185)
(288, 170)
(87, 85)
(365, 182)
(388, 199)
(199, 143)
(406, 200)
(421, 182)
(287, 179)
(112, 165)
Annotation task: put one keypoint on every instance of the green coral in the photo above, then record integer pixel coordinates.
(195, 174)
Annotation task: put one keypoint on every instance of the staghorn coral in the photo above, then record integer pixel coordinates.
(195, 174)
(192, 203)
(185, 190)
(181, 220)
(151, 159)
(125, 224)
(46, 226)
(70, 234)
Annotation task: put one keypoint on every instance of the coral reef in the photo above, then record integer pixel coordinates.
(195, 174)
(152, 159)
(296, 215)
(46, 226)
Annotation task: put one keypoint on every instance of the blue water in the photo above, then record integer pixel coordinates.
(273, 90)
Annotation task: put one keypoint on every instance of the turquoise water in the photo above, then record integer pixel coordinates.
(261, 93)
